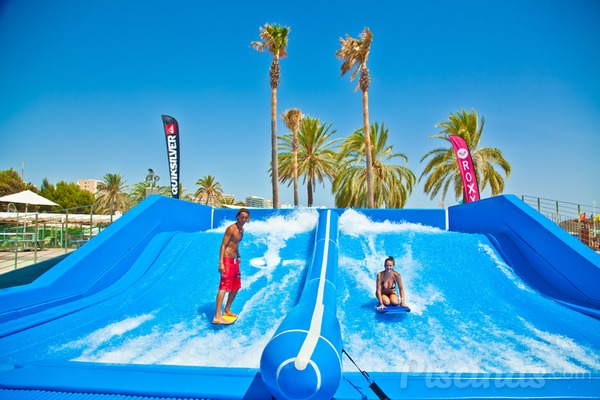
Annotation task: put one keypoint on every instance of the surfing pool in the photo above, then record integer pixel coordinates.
(165, 316)
(471, 313)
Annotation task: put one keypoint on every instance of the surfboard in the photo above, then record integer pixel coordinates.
(229, 318)
(259, 262)
(393, 310)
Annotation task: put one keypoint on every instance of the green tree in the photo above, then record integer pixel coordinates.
(274, 39)
(209, 192)
(111, 195)
(442, 169)
(317, 157)
(355, 53)
(48, 190)
(137, 193)
(393, 182)
(11, 182)
(70, 196)
(293, 120)
(183, 193)
(230, 202)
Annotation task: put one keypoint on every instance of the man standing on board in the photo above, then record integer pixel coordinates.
(229, 267)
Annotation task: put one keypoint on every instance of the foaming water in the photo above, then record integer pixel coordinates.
(274, 232)
(165, 317)
(470, 312)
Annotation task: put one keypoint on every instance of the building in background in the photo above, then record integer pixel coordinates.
(254, 201)
(91, 185)
(258, 202)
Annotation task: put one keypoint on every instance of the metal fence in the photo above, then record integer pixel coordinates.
(580, 220)
(27, 238)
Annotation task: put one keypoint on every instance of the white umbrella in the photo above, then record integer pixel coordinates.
(27, 197)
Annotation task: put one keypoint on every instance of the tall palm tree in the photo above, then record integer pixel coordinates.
(442, 169)
(210, 191)
(293, 120)
(393, 182)
(111, 194)
(317, 155)
(354, 53)
(274, 39)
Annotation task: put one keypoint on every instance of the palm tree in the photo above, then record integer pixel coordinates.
(442, 169)
(183, 194)
(210, 192)
(293, 120)
(393, 182)
(137, 193)
(230, 201)
(111, 194)
(317, 157)
(354, 53)
(274, 40)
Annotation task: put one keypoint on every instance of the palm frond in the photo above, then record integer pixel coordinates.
(442, 171)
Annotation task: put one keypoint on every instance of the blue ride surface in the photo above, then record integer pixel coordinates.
(504, 305)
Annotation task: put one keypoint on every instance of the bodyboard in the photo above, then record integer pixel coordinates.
(393, 310)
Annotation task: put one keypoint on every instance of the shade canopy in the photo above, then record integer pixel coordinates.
(27, 197)
(58, 219)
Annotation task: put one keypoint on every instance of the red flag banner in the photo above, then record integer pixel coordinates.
(172, 136)
(467, 172)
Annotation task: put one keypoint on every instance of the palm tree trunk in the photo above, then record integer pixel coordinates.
(370, 191)
(295, 148)
(309, 188)
(274, 166)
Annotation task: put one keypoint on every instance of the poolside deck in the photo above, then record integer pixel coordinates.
(20, 268)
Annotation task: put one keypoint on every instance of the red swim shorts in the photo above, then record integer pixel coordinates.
(231, 277)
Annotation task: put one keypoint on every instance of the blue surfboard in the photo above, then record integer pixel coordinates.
(392, 310)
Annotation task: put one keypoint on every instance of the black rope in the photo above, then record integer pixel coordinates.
(374, 387)
(366, 375)
(362, 395)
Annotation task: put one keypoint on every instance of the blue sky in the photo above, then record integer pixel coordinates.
(83, 85)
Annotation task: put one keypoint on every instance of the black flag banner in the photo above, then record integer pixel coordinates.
(172, 136)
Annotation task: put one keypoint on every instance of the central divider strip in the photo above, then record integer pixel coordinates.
(314, 332)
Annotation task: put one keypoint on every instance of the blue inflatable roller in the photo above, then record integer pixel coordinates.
(303, 358)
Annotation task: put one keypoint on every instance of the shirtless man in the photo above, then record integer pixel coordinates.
(387, 282)
(229, 266)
